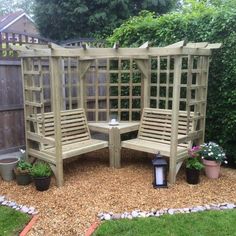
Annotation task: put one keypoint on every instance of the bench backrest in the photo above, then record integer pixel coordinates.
(74, 127)
(156, 125)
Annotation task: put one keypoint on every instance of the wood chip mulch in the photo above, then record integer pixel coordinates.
(92, 187)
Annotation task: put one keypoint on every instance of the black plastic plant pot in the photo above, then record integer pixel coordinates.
(23, 179)
(192, 176)
(42, 183)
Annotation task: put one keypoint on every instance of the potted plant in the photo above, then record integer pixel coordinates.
(212, 155)
(194, 165)
(41, 174)
(22, 170)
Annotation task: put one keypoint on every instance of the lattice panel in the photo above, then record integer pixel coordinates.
(113, 87)
(37, 91)
(70, 83)
(161, 86)
(192, 86)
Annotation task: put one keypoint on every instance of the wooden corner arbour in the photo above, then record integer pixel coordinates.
(60, 83)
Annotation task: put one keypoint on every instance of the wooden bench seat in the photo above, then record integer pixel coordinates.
(150, 146)
(75, 134)
(74, 138)
(75, 149)
(155, 135)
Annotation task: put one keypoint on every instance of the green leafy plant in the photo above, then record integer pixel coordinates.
(194, 159)
(213, 152)
(23, 166)
(40, 169)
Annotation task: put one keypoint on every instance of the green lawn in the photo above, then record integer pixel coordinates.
(207, 223)
(11, 221)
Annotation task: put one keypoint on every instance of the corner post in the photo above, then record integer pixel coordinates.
(54, 63)
(175, 119)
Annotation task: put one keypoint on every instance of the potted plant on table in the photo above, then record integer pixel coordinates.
(22, 170)
(41, 174)
(213, 155)
(194, 165)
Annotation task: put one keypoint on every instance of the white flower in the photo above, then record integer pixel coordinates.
(219, 155)
(226, 162)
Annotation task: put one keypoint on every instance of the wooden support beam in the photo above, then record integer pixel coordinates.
(197, 45)
(55, 83)
(143, 66)
(214, 46)
(84, 66)
(175, 119)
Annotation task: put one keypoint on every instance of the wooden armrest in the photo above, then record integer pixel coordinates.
(190, 136)
(40, 138)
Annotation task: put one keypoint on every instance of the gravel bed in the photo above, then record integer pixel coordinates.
(91, 187)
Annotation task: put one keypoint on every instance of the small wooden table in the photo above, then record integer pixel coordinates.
(114, 133)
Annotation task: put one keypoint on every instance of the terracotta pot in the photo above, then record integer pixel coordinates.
(212, 169)
(192, 176)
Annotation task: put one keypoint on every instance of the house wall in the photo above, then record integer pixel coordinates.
(23, 25)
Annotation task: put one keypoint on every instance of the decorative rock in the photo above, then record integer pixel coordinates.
(186, 210)
(134, 214)
(142, 214)
(230, 206)
(157, 214)
(12, 204)
(116, 216)
(207, 207)
(4, 203)
(130, 217)
(107, 217)
(171, 211)
(153, 212)
(35, 213)
(24, 209)
(223, 207)
(161, 212)
(100, 214)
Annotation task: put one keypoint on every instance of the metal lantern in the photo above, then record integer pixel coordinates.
(160, 172)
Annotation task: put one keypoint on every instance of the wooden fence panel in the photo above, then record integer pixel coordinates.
(11, 106)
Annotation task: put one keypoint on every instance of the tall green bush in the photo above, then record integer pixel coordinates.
(197, 23)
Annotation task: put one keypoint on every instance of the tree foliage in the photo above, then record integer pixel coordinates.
(14, 5)
(83, 18)
(198, 23)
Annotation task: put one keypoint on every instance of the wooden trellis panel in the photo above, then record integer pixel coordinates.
(113, 87)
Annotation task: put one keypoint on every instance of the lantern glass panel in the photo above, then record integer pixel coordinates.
(159, 171)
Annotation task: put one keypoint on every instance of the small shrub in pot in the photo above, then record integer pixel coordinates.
(41, 174)
(22, 172)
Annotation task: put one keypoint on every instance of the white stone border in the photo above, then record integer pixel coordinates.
(17, 207)
(164, 211)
